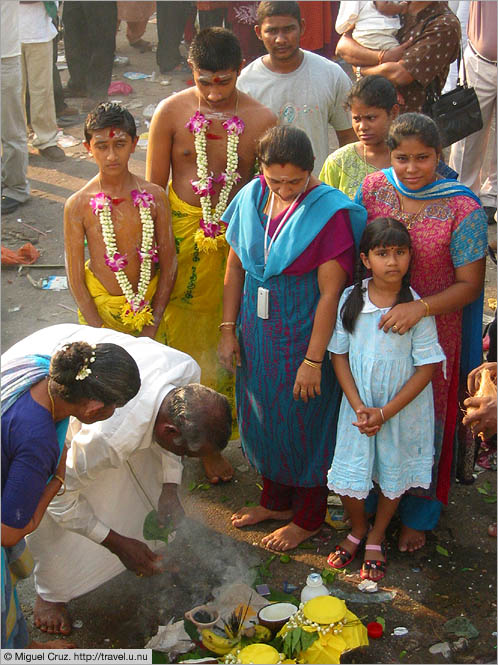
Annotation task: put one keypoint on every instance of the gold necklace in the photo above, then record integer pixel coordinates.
(410, 221)
(52, 405)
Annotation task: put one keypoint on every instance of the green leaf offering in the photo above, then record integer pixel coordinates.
(152, 530)
(297, 641)
(382, 622)
(285, 558)
(328, 575)
(442, 550)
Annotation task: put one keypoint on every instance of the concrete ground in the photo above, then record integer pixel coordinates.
(455, 574)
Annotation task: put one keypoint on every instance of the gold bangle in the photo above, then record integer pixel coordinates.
(381, 55)
(312, 364)
(426, 305)
(227, 324)
(63, 484)
(382, 415)
(318, 362)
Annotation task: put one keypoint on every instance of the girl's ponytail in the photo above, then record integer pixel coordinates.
(354, 302)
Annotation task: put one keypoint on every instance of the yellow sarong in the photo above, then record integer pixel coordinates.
(109, 307)
(195, 307)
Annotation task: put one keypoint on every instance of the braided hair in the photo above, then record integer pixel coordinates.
(381, 232)
(105, 372)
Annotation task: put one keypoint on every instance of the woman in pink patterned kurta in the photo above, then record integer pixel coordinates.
(448, 229)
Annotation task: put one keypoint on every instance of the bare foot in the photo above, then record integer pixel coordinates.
(410, 539)
(217, 468)
(287, 537)
(254, 514)
(52, 644)
(52, 617)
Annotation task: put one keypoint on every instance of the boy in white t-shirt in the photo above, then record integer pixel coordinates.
(374, 24)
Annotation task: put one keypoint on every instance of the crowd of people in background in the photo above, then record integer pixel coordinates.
(324, 300)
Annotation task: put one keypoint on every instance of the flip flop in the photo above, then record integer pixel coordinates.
(373, 564)
(345, 556)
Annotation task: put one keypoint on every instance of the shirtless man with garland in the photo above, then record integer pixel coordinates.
(204, 139)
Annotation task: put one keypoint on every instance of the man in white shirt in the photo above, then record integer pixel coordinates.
(15, 186)
(302, 88)
(120, 470)
(37, 33)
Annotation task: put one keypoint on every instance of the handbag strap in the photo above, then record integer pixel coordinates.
(433, 91)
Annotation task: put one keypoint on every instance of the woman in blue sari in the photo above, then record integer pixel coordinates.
(38, 395)
(292, 252)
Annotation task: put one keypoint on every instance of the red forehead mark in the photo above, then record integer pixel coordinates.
(212, 136)
(117, 201)
(216, 79)
(111, 132)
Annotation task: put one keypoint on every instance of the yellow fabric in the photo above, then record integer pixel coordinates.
(195, 307)
(328, 648)
(109, 307)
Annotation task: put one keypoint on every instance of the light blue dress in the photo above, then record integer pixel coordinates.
(400, 455)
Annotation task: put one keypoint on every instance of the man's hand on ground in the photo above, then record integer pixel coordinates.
(134, 554)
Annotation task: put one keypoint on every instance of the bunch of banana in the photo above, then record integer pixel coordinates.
(217, 643)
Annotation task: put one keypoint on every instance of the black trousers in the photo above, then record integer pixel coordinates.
(171, 18)
(90, 42)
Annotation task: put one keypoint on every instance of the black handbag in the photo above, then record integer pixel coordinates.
(457, 113)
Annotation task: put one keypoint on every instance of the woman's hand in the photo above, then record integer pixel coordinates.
(228, 349)
(474, 378)
(402, 317)
(307, 383)
(369, 420)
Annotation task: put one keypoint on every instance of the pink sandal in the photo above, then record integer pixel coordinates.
(345, 556)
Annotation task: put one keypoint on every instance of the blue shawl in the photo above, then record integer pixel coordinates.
(245, 233)
(442, 188)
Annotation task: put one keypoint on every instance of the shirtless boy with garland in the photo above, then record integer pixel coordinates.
(127, 282)
(204, 138)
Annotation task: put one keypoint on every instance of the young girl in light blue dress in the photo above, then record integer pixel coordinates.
(385, 431)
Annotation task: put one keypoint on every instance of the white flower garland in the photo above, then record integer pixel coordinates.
(136, 310)
(211, 234)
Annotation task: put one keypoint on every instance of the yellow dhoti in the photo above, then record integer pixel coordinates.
(109, 307)
(195, 307)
